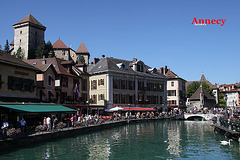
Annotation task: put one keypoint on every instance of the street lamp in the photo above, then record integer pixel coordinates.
(87, 102)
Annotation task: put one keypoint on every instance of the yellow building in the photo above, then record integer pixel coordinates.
(116, 82)
(17, 79)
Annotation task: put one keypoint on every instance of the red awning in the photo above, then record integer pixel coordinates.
(139, 109)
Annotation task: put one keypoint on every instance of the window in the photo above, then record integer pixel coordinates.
(65, 81)
(115, 98)
(172, 102)
(100, 97)
(49, 96)
(172, 84)
(15, 83)
(171, 92)
(94, 99)
(49, 80)
(84, 84)
(123, 84)
(140, 67)
(116, 84)
(94, 84)
(20, 32)
(20, 40)
(123, 98)
(100, 82)
(122, 66)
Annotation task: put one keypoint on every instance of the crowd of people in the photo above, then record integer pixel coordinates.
(51, 122)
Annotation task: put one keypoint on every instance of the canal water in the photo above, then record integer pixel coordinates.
(148, 140)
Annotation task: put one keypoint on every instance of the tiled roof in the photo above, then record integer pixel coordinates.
(56, 62)
(171, 74)
(196, 95)
(82, 48)
(111, 64)
(29, 18)
(59, 44)
(203, 78)
(12, 43)
(11, 60)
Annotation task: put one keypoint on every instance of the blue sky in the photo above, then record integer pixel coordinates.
(158, 32)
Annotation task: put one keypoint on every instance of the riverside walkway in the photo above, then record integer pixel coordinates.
(40, 136)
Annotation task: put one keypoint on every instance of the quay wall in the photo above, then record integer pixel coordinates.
(64, 133)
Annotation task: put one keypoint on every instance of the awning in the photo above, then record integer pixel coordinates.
(38, 108)
(139, 109)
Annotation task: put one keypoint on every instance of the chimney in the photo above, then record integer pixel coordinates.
(135, 59)
(96, 60)
(103, 56)
(165, 70)
(161, 70)
(43, 61)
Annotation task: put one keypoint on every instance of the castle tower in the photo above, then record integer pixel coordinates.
(28, 34)
(82, 51)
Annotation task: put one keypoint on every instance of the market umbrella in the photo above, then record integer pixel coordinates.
(115, 109)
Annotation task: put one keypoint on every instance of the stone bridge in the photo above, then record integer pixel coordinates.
(202, 116)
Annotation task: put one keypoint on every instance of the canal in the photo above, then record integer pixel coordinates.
(148, 140)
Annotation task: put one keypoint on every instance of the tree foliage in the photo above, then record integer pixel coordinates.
(6, 47)
(222, 102)
(19, 54)
(44, 49)
(195, 85)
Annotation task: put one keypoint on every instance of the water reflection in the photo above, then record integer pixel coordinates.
(174, 146)
(150, 140)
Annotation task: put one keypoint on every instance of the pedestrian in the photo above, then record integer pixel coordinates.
(72, 120)
(4, 127)
(45, 122)
(55, 122)
(22, 125)
(48, 123)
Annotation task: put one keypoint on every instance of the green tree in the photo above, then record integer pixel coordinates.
(6, 47)
(222, 102)
(19, 54)
(44, 49)
(195, 85)
(50, 50)
(40, 51)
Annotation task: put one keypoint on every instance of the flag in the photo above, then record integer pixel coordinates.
(76, 91)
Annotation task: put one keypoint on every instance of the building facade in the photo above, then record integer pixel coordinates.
(64, 81)
(18, 81)
(176, 92)
(215, 89)
(201, 99)
(115, 82)
(231, 93)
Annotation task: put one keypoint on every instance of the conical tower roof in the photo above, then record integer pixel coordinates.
(82, 49)
(59, 44)
(203, 78)
(29, 18)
